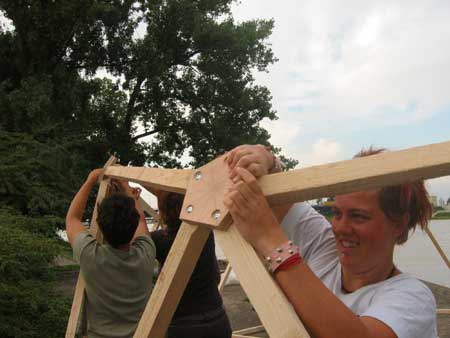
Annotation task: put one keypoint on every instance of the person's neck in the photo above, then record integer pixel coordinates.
(352, 281)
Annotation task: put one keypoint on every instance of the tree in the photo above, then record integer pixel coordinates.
(29, 307)
(184, 85)
(37, 179)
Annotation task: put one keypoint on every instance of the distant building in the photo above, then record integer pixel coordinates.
(433, 200)
(441, 202)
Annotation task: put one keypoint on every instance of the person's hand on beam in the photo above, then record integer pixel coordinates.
(252, 214)
(256, 158)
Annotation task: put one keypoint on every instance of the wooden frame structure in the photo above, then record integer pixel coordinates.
(203, 211)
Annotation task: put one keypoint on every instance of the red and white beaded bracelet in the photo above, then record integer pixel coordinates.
(286, 254)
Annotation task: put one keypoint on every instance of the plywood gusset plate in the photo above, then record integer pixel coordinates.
(203, 203)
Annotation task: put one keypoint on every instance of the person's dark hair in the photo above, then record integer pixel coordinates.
(409, 198)
(118, 219)
(169, 206)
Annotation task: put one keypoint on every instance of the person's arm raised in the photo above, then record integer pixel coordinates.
(142, 228)
(322, 313)
(75, 213)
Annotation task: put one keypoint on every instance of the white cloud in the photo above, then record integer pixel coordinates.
(322, 151)
(325, 151)
(381, 62)
(282, 132)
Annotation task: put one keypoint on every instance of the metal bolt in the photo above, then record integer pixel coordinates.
(190, 208)
(198, 175)
(216, 214)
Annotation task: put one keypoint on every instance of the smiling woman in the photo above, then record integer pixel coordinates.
(344, 271)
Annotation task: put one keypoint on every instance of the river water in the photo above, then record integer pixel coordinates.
(419, 257)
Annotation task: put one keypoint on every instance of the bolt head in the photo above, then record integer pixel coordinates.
(198, 175)
(216, 214)
(190, 208)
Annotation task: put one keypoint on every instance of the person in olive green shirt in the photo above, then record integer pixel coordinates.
(118, 273)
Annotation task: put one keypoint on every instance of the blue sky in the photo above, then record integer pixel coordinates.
(357, 73)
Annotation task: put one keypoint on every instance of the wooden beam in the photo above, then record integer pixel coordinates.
(175, 180)
(249, 330)
(172, 281)
(103, 191)
(359, 174)
(78, 298)
(77, 305)
(274, 310)
(241, 336)
(224, 277)
(443, 311)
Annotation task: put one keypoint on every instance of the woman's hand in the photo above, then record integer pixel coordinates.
(136, 193)
(251, 213)
(255, 158)
(95, 175)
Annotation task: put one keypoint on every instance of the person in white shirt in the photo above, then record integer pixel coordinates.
(342, 282)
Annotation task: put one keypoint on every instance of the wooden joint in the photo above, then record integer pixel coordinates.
(203, 203)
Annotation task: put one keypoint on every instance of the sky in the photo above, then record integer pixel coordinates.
(357, 73)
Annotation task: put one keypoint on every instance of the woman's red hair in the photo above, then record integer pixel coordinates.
(408, 199)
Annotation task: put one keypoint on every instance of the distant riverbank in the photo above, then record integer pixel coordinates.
(442, 215)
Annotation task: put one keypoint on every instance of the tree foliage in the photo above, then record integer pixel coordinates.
(37, 178)
(29, 308)
(183, 77)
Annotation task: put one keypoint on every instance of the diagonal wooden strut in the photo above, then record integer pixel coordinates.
(274, 310)
(78, 298)
(172, 280)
